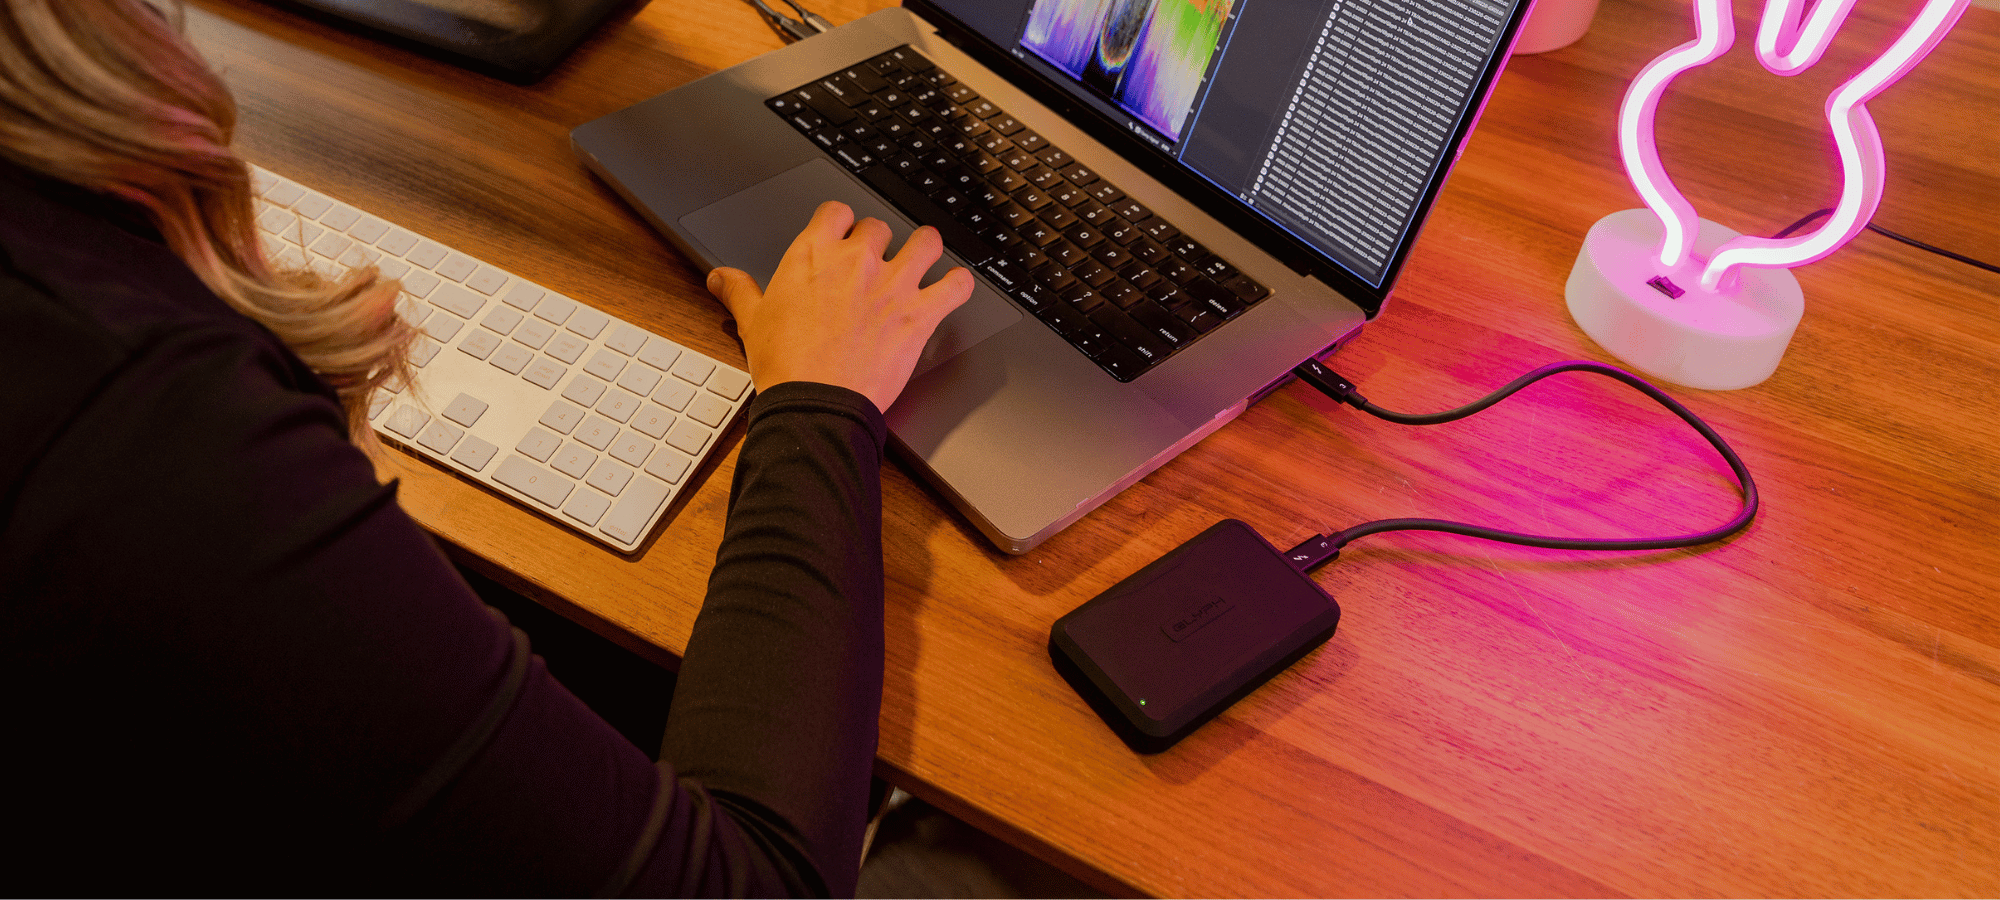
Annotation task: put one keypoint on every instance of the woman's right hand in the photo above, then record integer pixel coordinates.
(839, 311)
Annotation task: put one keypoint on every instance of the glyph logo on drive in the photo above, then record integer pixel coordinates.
(1205, 612)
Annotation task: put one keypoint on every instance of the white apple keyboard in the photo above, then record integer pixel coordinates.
(582, 417)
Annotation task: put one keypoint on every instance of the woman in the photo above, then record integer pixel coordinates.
(236, 666)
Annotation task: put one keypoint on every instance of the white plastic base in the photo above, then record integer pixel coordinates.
(1717, 340)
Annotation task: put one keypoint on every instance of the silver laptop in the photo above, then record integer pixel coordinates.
(1169, 205)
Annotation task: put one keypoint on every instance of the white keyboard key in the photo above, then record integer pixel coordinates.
(423, 351)
(368, 230)
(486, 280)
(261, 182)
(523, 296)
(463, 303)
(659, 353)
(598, 432)
(339, 217)
(605, 364)
(426, 255)
(312, 204)
(511, 358)
(609, 477)
(442, 328)
(332, 244)
(465, 409)
(455, 266)
(440, 435)
(544, 373)
(628, 519)
(285, 193)
(573, 460)
(392, 267)
(567, 347)
(479, 344)
(555, 308)
(562, 416)
(587, 507)
(625, 339)
(534, 333)
(708, 409)
(538, 444)
(730, 383)
(420, 283)
(653, 421)
(543, 485)
(380, 402)
(688, 436)
(583, 390)
(588, 322)
(631, 449)
(274, 220)
(407, 420)
(668, 465)
(674, 394)
(693, 369)
(474, 453)
(639, 380)
(308, 232)
(502, 319)
(619, 405)
(397, 242)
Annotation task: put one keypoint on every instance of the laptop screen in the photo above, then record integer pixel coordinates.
(1331, 122)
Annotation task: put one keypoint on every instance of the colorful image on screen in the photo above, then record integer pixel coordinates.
(1148, 56)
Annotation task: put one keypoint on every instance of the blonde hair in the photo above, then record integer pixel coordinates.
(109, 96)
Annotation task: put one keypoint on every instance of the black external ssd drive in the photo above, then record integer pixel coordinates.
(1180, 640)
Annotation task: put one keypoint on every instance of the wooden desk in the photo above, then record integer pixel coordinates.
(1812, 708)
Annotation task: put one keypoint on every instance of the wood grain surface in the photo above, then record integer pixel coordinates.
(1811, 708)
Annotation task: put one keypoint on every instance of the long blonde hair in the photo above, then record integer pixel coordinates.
(109, 96)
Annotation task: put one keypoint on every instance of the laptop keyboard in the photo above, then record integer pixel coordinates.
(1122, 285)
(587, 419)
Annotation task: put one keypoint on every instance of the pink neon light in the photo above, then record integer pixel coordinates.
(1789, 41)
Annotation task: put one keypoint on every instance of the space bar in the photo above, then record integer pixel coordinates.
(970, 247)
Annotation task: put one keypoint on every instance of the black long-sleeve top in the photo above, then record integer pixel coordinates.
(233, 665)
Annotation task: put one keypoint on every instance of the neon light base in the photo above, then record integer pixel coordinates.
(1715, 340)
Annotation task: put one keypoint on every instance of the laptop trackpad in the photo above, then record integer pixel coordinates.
(751, 228)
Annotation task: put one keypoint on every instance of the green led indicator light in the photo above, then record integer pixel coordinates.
(1142, 701)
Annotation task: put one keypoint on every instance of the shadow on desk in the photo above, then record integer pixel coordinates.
(918, 850)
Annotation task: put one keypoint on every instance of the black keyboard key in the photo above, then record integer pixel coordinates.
(1058, 217)
(1065, 253)
(1044, 177)
(959, 93)
(1159, 230)
(1122, 231)
(963, 241)
(1106, 192)
(1030, 141)
(1130, 210)
(843, 89)
(1111, 254)
(853, 156)
(1031, 198)
(1121, 363)
(1151, 251)
(1069, 194)
(1092, 272)
(1054, 158)
(981, 107)
(1162, 324)
(1186, 248)
(1084, 236)
(1178, 272)
(1125, 330)
(1245, 289)
(1005, 124)
(1007, 180)
(1095, 213)
(1121, 293)
(1213, 296)
(1039, 234)
(1055, 278)
(1078, 173)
